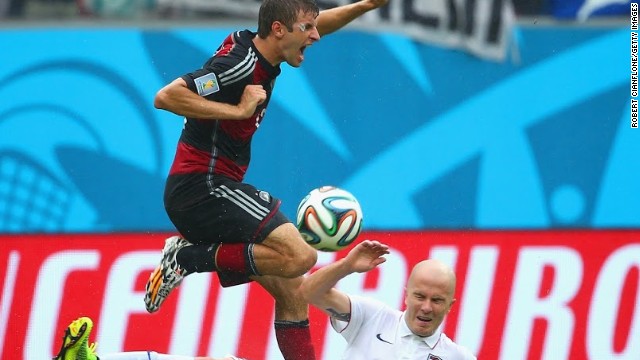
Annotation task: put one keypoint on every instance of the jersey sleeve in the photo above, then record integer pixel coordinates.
(362, 308)
(212, 81)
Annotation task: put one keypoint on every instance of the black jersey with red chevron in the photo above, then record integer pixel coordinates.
(223, 147)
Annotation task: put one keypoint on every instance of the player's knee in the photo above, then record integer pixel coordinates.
(295, 256)
(301, 262)
(308, 259)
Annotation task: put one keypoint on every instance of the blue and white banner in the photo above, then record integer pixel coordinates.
(584, 10)
(481, 27)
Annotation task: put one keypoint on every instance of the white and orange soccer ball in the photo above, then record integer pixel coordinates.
(329, 218)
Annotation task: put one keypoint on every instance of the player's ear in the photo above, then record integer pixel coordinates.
(453, 301)
(278, 29)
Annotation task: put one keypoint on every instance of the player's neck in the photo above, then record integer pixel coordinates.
(267, 49)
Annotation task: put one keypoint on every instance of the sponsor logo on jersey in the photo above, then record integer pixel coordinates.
(207, 84)
(381, 339)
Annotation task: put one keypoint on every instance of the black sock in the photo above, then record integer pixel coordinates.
(198, 258)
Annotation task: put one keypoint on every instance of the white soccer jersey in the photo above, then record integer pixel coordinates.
(378, 332)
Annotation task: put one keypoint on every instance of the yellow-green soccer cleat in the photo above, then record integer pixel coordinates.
(91, 352)
(75, 341)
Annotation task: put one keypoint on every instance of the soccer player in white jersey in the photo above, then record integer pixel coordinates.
(376, 331)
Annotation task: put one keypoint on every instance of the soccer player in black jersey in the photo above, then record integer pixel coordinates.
(226, 225)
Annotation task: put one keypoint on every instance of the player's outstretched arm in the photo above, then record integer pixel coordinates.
(331, 20)
(177, 98)
(319, 288)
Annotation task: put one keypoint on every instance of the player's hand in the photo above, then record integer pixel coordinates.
(367, 255)
(377, 3)
(252, 96)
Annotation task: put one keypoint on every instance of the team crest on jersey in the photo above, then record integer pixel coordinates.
(264, 196)
(433, 357)
(207, 84)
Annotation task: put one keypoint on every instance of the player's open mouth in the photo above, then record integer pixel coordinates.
(425, 319)
(301, 56)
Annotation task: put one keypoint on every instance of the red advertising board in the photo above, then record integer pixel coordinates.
(521, 295)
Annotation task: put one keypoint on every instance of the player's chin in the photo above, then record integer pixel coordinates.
(295, 60)
(423, 328)
(294, 63)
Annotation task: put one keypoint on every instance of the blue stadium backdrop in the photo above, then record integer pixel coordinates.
(425, 137)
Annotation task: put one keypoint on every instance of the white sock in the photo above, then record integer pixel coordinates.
(143, 355)
(133, 355)
(172, 357)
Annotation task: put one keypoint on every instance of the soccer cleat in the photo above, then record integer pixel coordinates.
(91, 352)
(74, 342)
(167, 276)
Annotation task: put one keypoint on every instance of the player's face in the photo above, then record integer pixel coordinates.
(428, 299)
(304, 34)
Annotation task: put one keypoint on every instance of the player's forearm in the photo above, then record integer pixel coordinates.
(206, 110)
(178, 99)
(318, 286)
(333, 19)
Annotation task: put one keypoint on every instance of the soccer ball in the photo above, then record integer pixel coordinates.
(329, 218)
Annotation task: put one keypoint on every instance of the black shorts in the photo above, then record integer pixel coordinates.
(233, 212)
